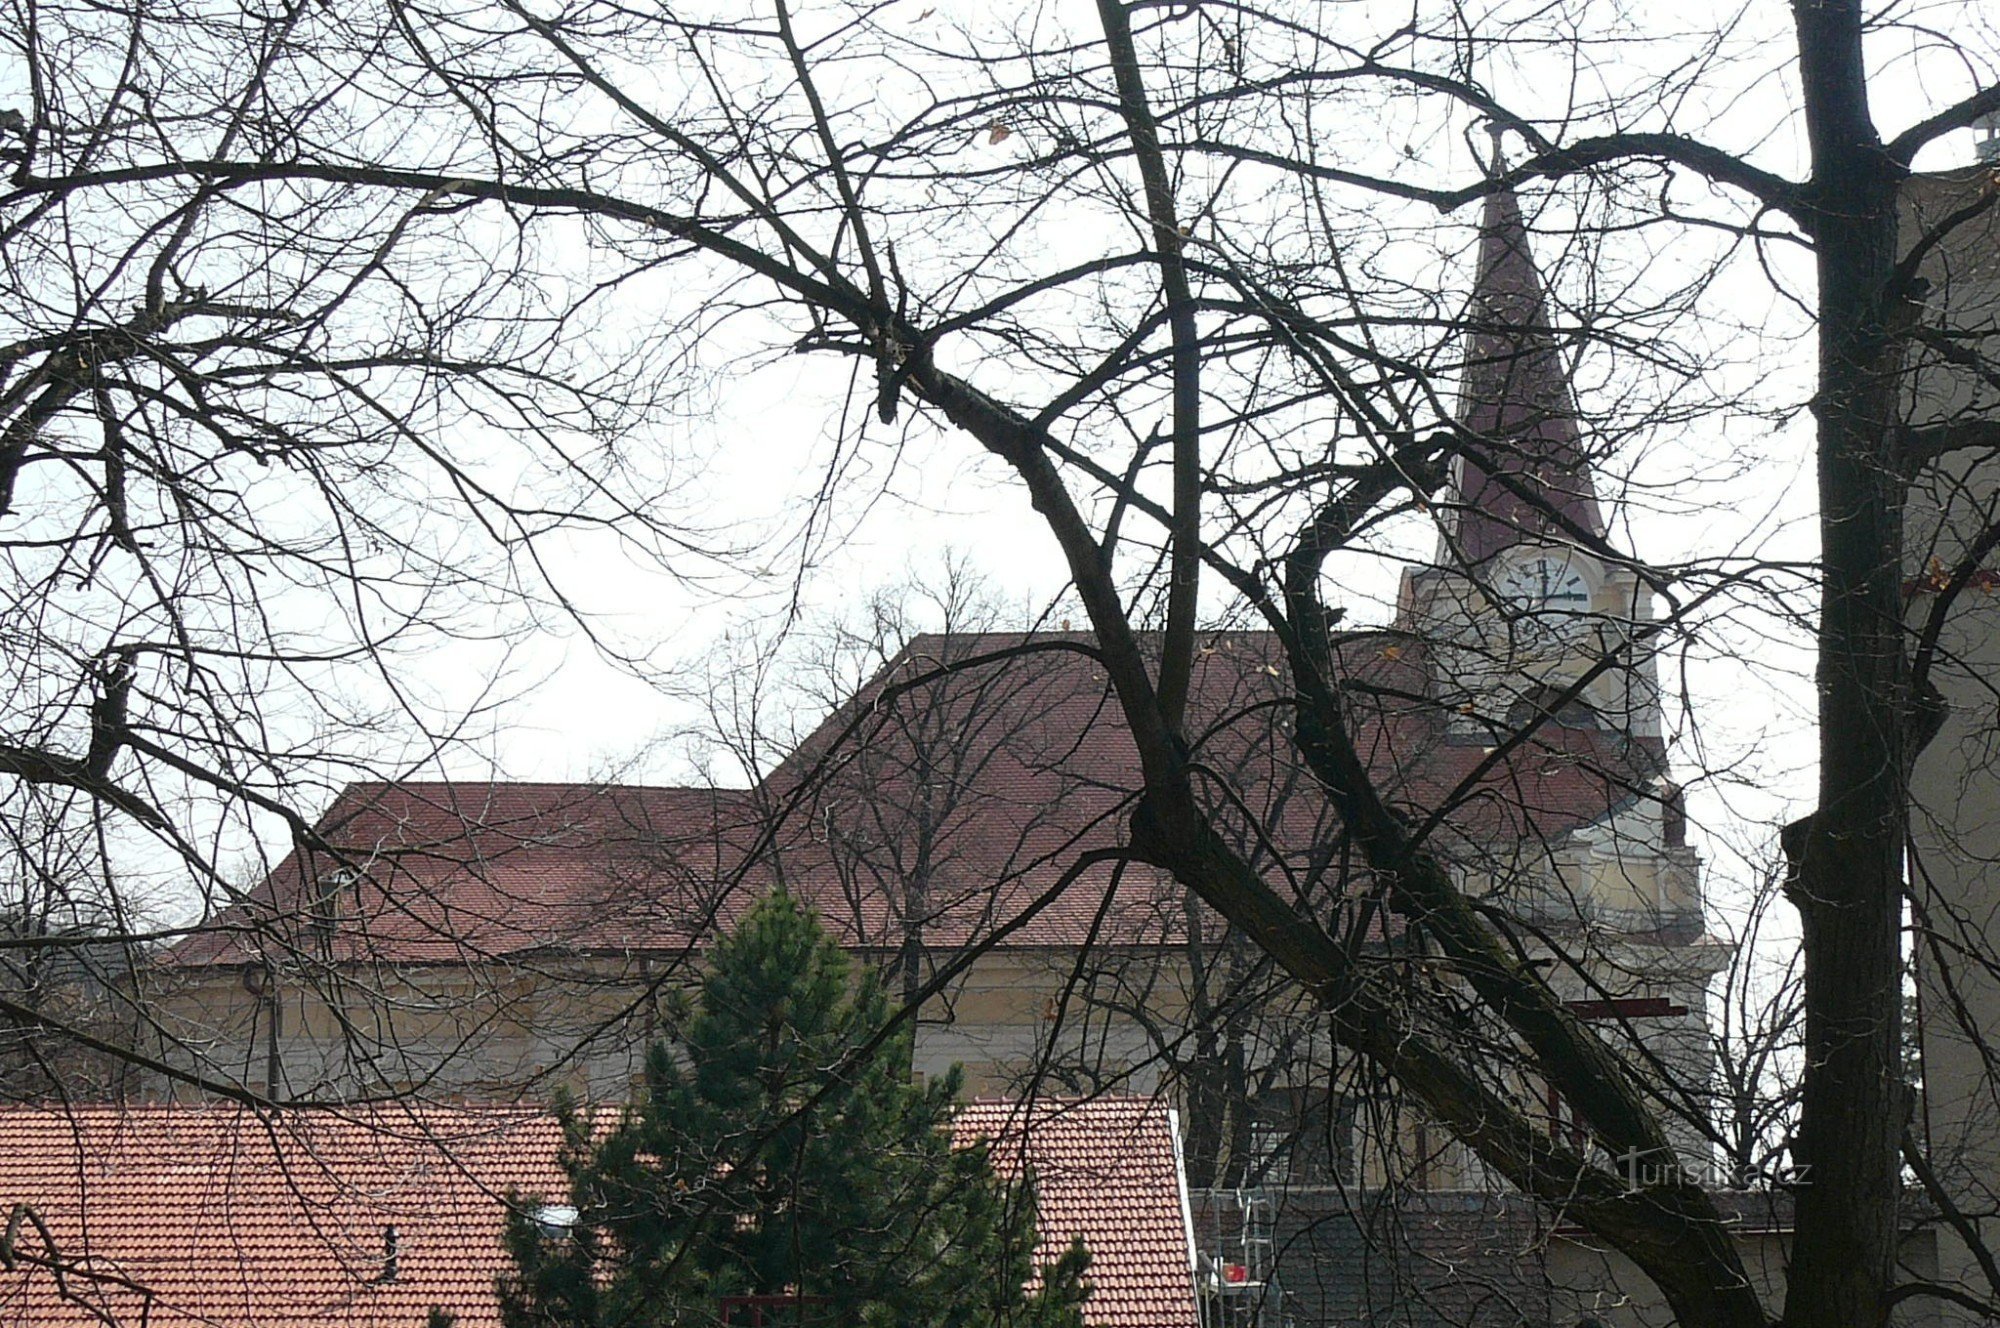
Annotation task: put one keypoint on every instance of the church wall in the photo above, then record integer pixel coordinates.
(444, 1031)
(500, 1029)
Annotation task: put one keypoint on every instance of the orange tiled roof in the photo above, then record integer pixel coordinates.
(1106, 1171)
(173, 1216)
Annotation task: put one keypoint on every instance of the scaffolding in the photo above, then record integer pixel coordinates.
(1239, 1285)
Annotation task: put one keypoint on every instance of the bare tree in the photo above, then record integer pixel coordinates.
(64, 958)
(226, 428)
(1758, 1017)
(899, 815)
(885, 750)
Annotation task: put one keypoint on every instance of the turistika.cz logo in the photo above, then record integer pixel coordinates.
(1648, 1169)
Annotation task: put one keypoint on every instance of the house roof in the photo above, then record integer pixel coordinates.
(953, 792)
(1107, 1172)
(223, 1217)
(219, 1216)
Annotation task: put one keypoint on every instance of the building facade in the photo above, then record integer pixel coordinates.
(1953, 594)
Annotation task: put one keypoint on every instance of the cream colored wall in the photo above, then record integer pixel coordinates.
(501, 1029)
(447, 1031)
(1000, 1022)
(505, 1030)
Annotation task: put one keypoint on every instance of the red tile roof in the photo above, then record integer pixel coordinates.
(170, 1216)
(954, 803)
(1106, 1170)
(174, 1216)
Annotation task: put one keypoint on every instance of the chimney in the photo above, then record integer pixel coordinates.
(392, 1255)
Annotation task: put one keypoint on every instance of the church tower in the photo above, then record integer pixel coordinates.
(1526, 608)
(1532, 621)
(1531, 618)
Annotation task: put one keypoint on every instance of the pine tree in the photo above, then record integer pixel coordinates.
(781, 1148)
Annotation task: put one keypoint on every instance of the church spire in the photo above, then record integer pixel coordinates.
(1517, 403)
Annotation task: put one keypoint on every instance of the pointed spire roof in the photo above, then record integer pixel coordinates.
(1516, 396)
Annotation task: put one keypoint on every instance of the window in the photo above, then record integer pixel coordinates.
(1300, 1137)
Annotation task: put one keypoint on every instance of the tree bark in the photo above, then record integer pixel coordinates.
(1846, 859)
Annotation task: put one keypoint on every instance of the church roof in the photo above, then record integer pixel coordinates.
(1532, 480)
(952, 793)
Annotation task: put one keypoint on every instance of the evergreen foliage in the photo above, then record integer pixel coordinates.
(781, 1148)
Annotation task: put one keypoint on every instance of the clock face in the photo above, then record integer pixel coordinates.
(1544, 581)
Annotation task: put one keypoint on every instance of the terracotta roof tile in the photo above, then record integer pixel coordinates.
(174, 1216)
(1106, 1170)
(219, 1216)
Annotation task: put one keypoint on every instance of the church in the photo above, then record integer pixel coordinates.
(953, 823)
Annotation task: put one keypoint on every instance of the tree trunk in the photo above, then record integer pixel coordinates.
(1846, 859)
